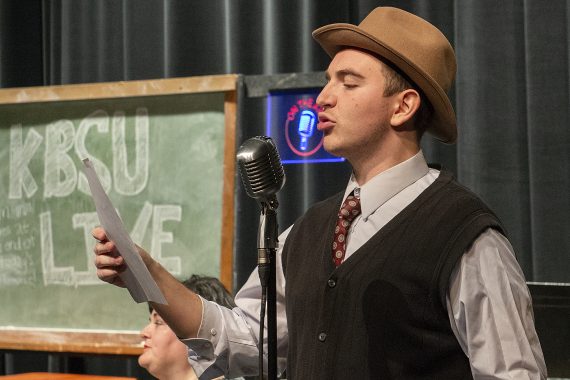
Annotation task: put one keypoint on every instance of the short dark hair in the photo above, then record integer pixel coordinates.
(211, 289)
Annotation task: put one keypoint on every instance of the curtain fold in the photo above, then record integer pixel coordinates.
(511, 93)
(548, 121)
(21, 61)
(492, 149)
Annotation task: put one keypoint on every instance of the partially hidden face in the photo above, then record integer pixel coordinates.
(162, 351)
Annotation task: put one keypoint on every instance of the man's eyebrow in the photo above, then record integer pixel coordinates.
(344, 73)
(349, 72)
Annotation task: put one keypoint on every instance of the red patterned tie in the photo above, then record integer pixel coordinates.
(349, 210)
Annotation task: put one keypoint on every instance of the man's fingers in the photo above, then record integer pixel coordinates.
(111, 275)
(107, 274)
(107, 256)
(105, 248)
(106, 260)
(99, 234)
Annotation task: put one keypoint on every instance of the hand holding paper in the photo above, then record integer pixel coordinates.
(136, 277)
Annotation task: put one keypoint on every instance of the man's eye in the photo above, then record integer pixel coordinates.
(350, 85)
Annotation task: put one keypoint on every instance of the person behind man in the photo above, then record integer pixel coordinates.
(413, 278)
(164, 356)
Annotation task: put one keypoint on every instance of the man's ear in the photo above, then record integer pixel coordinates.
(408, 102)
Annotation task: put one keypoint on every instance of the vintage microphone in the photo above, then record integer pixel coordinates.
(263, 176)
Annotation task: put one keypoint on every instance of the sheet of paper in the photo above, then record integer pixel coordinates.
(136, 277)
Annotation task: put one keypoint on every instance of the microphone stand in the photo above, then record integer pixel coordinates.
(267, 247)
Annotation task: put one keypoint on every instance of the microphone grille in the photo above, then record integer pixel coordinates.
(260, 166)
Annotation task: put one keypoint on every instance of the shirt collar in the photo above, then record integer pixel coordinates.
(385, 185)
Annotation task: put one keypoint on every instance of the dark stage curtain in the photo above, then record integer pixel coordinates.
(511, 93)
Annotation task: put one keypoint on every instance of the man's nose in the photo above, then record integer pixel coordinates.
(326, 98)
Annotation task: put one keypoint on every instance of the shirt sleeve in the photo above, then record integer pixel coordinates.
(227, 339)
(490, 310)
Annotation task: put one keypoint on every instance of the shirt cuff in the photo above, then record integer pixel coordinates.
(207, 338)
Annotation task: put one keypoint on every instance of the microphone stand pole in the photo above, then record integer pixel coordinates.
(267, 247)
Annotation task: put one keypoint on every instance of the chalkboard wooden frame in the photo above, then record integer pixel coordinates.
(125, 342)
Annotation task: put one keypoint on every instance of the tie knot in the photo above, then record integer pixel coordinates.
(350, 209)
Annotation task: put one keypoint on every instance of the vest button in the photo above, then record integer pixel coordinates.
(331, 283)
(322, 337)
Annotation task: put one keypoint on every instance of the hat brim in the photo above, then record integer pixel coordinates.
(335, 37)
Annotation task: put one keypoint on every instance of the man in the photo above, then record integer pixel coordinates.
(413, 277)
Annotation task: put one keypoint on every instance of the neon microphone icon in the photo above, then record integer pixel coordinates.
(306, 127)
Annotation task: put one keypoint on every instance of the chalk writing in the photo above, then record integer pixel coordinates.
(44, 164)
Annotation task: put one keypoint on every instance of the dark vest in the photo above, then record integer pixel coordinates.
(382, 313)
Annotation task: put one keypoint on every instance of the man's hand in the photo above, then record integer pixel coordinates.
(184, 310)
(108, 260)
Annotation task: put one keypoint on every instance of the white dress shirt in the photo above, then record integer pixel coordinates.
(489, 305)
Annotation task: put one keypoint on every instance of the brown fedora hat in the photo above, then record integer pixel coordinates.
(414, 46)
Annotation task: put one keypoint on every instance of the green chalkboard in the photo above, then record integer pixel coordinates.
(160, 159)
